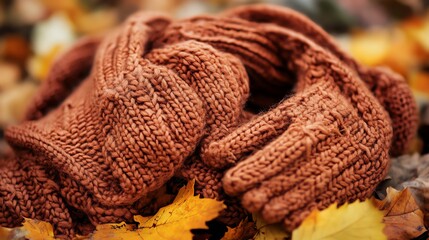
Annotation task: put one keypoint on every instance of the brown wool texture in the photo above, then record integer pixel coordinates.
(258, 104)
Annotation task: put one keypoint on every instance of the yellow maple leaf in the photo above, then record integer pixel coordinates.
(267, 231)
(30, 229)
(171, 222)
(358, 220)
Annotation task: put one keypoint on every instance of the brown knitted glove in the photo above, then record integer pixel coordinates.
(328, 143)
(132, 122)
(263, 55)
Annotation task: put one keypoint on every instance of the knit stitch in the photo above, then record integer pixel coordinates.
(258, 104)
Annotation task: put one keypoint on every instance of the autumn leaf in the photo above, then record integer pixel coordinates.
(5, 233)
(358, 220)
(244, 230)
(370, 48)
(419, 83)
(49, 39)
(38, 229)
(419, 188)
(267, 231)
(30, 229)
(403, 218)
(418, 29)
(174, 221)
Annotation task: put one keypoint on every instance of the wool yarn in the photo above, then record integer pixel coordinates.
(258, 104)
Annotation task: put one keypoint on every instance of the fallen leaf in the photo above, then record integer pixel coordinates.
(49, 38)
(358, 220)
(15, 48)
(116, 231)
(57, 30)
(10, 75)
(419, 83)
(403, 218)
(39, 66)
(370, 48)
(420, 191)
(5, 233)
(174, 221)
(418, 29)
(267, 231)
(244, 230)
(412, 172)
(30, 229)
(14, 101)
(96, 21)
(38, 229)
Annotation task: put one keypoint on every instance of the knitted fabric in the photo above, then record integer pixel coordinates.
(120, 116)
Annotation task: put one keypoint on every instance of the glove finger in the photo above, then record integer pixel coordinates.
(299, 171)
(313, 120)
(357, 184)
(343, 123)
(295, 190)
(344, 172)
(247, 138)
(264, 128)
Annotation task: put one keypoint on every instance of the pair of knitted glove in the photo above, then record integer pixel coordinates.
(121, 115)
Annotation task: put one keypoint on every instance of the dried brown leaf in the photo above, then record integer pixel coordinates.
(244, 230)
(403, 217)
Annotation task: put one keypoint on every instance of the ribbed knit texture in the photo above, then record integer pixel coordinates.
(119, 116)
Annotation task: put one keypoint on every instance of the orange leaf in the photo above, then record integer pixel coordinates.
(244, 230)
(30, 229)
(403, 218)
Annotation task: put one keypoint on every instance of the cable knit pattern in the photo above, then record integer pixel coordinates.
(120, 115)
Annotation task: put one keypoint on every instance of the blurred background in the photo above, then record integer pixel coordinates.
(376, 32)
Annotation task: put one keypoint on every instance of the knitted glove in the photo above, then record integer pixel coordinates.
(263, 55)
(327, 143)
(132, 122)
